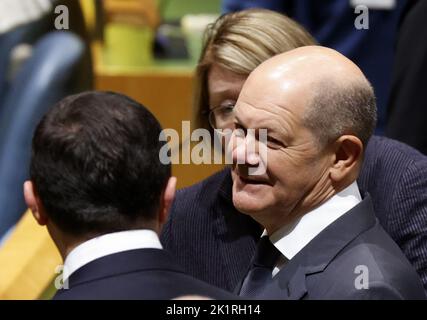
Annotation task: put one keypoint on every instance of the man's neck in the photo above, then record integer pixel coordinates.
(307, 204)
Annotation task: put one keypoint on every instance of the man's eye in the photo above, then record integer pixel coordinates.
(274, 143)
(228, 109)
(227, 105)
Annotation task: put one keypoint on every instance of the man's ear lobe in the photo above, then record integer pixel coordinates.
(33, 203)
(168, 196)
(348, 158)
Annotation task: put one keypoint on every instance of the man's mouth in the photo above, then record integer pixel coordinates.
(252, 180)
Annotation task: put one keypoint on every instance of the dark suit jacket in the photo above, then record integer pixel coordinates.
(408, 100)
(214, 242)
(135, 274)
(334, 263)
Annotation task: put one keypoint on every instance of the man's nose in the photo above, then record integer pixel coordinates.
(246, 152)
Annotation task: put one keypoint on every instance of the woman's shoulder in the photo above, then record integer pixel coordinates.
(218, 182)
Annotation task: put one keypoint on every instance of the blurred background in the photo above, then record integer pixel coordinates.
(147, 49)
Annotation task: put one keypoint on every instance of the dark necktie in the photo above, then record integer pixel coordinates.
(260, 272)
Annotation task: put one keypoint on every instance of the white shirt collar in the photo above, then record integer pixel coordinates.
(291, 239)
(109, 244)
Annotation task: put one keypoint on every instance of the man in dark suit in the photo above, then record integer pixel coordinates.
(393, 174)
(99, 187)
(321, 239)
(316, 222)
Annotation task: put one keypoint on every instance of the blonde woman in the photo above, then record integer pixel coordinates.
(205, 233)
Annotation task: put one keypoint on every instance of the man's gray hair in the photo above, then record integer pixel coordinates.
(339, 109)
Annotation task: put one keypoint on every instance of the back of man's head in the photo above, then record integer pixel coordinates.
(95, 164)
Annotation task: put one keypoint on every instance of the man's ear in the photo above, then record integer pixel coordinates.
(34, 203)
(348, 159)
(168, 197)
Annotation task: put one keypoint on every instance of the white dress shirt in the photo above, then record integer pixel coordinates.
(109, 244)
(291, 239)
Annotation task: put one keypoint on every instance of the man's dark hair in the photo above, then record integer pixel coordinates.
(95, 164)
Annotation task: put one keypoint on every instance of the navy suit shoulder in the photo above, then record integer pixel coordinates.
(145, 274)
(371, 267)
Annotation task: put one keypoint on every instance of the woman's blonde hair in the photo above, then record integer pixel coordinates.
(239, 42)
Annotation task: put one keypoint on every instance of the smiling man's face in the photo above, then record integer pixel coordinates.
(296, 172)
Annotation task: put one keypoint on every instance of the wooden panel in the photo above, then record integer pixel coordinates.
(168, 95)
